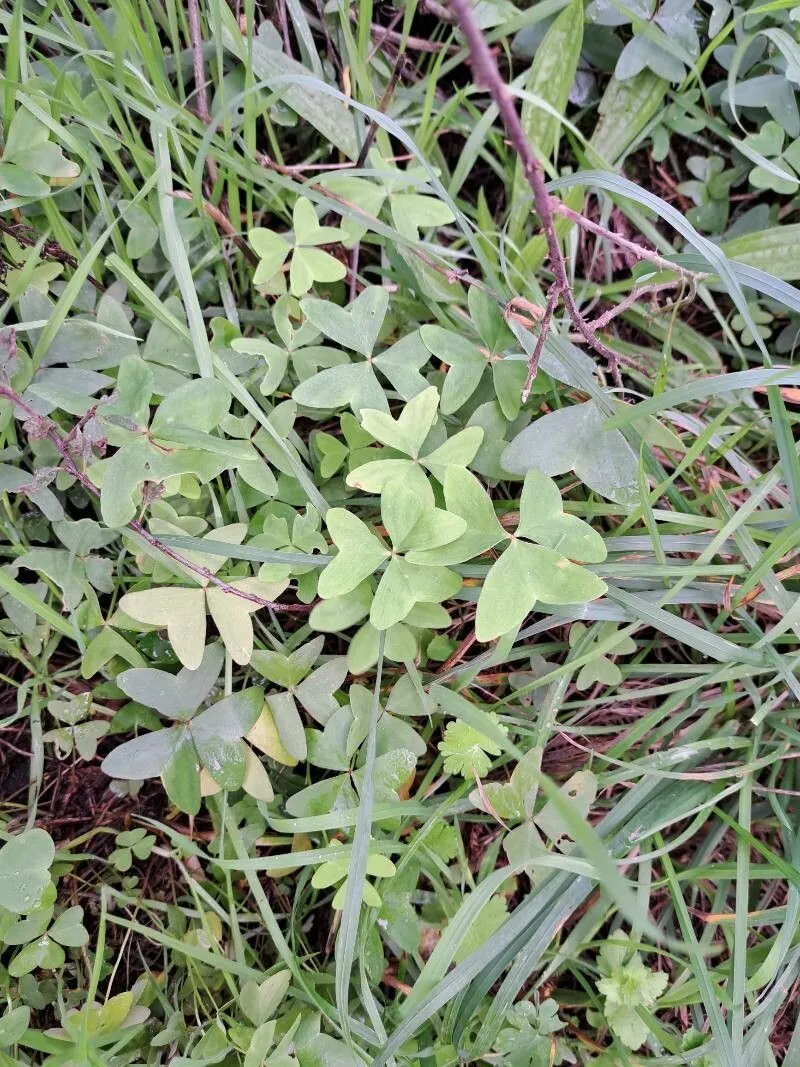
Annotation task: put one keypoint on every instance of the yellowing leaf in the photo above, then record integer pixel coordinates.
(208, 787)
(181, 610)
(264, 736)
(232, 616)
(112, 1015)
(256, 780)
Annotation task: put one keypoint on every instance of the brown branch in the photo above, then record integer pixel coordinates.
(415, 44)
(372, 129)
(544, 326)
(197, 60)
(208, 575)
(639, 251)
(51, 250)
(195, 33)
(298, 170)
(376, 47)
(486, 71)
(633, 296)
(283, 23)
(224, 223)
(431, 7)
(43, 427)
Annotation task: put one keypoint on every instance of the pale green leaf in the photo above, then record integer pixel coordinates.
(311, 265)
(271, 249)
(574, 438)
(13, 1025)
(181, 777)
(315, 692)
(492, 916)
(307, 230)
(507, 595)
(360, 553)
(231, 615)
(466, 498)
(25, 862)
(341, 612)
(394, 597)
(373, 477)
(172, 694)
(401, 510)
(542, 519)
(256, 781)
(556, 580)
(407, 433)
(68, 929)
(264, 736)
(357, 327)
(288, 724)
(201, 404)
(349, 383)
(458, 451)
(145, 756)
(464, 361)
(401, 364)
(433, 529)
(41, 953)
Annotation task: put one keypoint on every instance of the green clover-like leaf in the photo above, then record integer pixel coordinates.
(407, 434)
(25, 862)
(527, 573)
(309, 263)
(336, 872)
(357, 329)
(313, 690)
(182, 610)
(600, 670)
(412, 525)
(210, 739)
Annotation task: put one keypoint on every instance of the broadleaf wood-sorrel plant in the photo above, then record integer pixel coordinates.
(398, 584)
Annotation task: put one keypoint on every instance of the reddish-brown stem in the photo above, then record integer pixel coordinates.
(633, 296)
(220, 219)
(415, 44)
(431, 7)
(487, 73)
(51, 250)
(195, 33)
(372, 129)
(544, 326)
(209, 576)
(635, 249)
(197, 60)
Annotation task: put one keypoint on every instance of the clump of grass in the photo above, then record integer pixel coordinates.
(395, 672)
